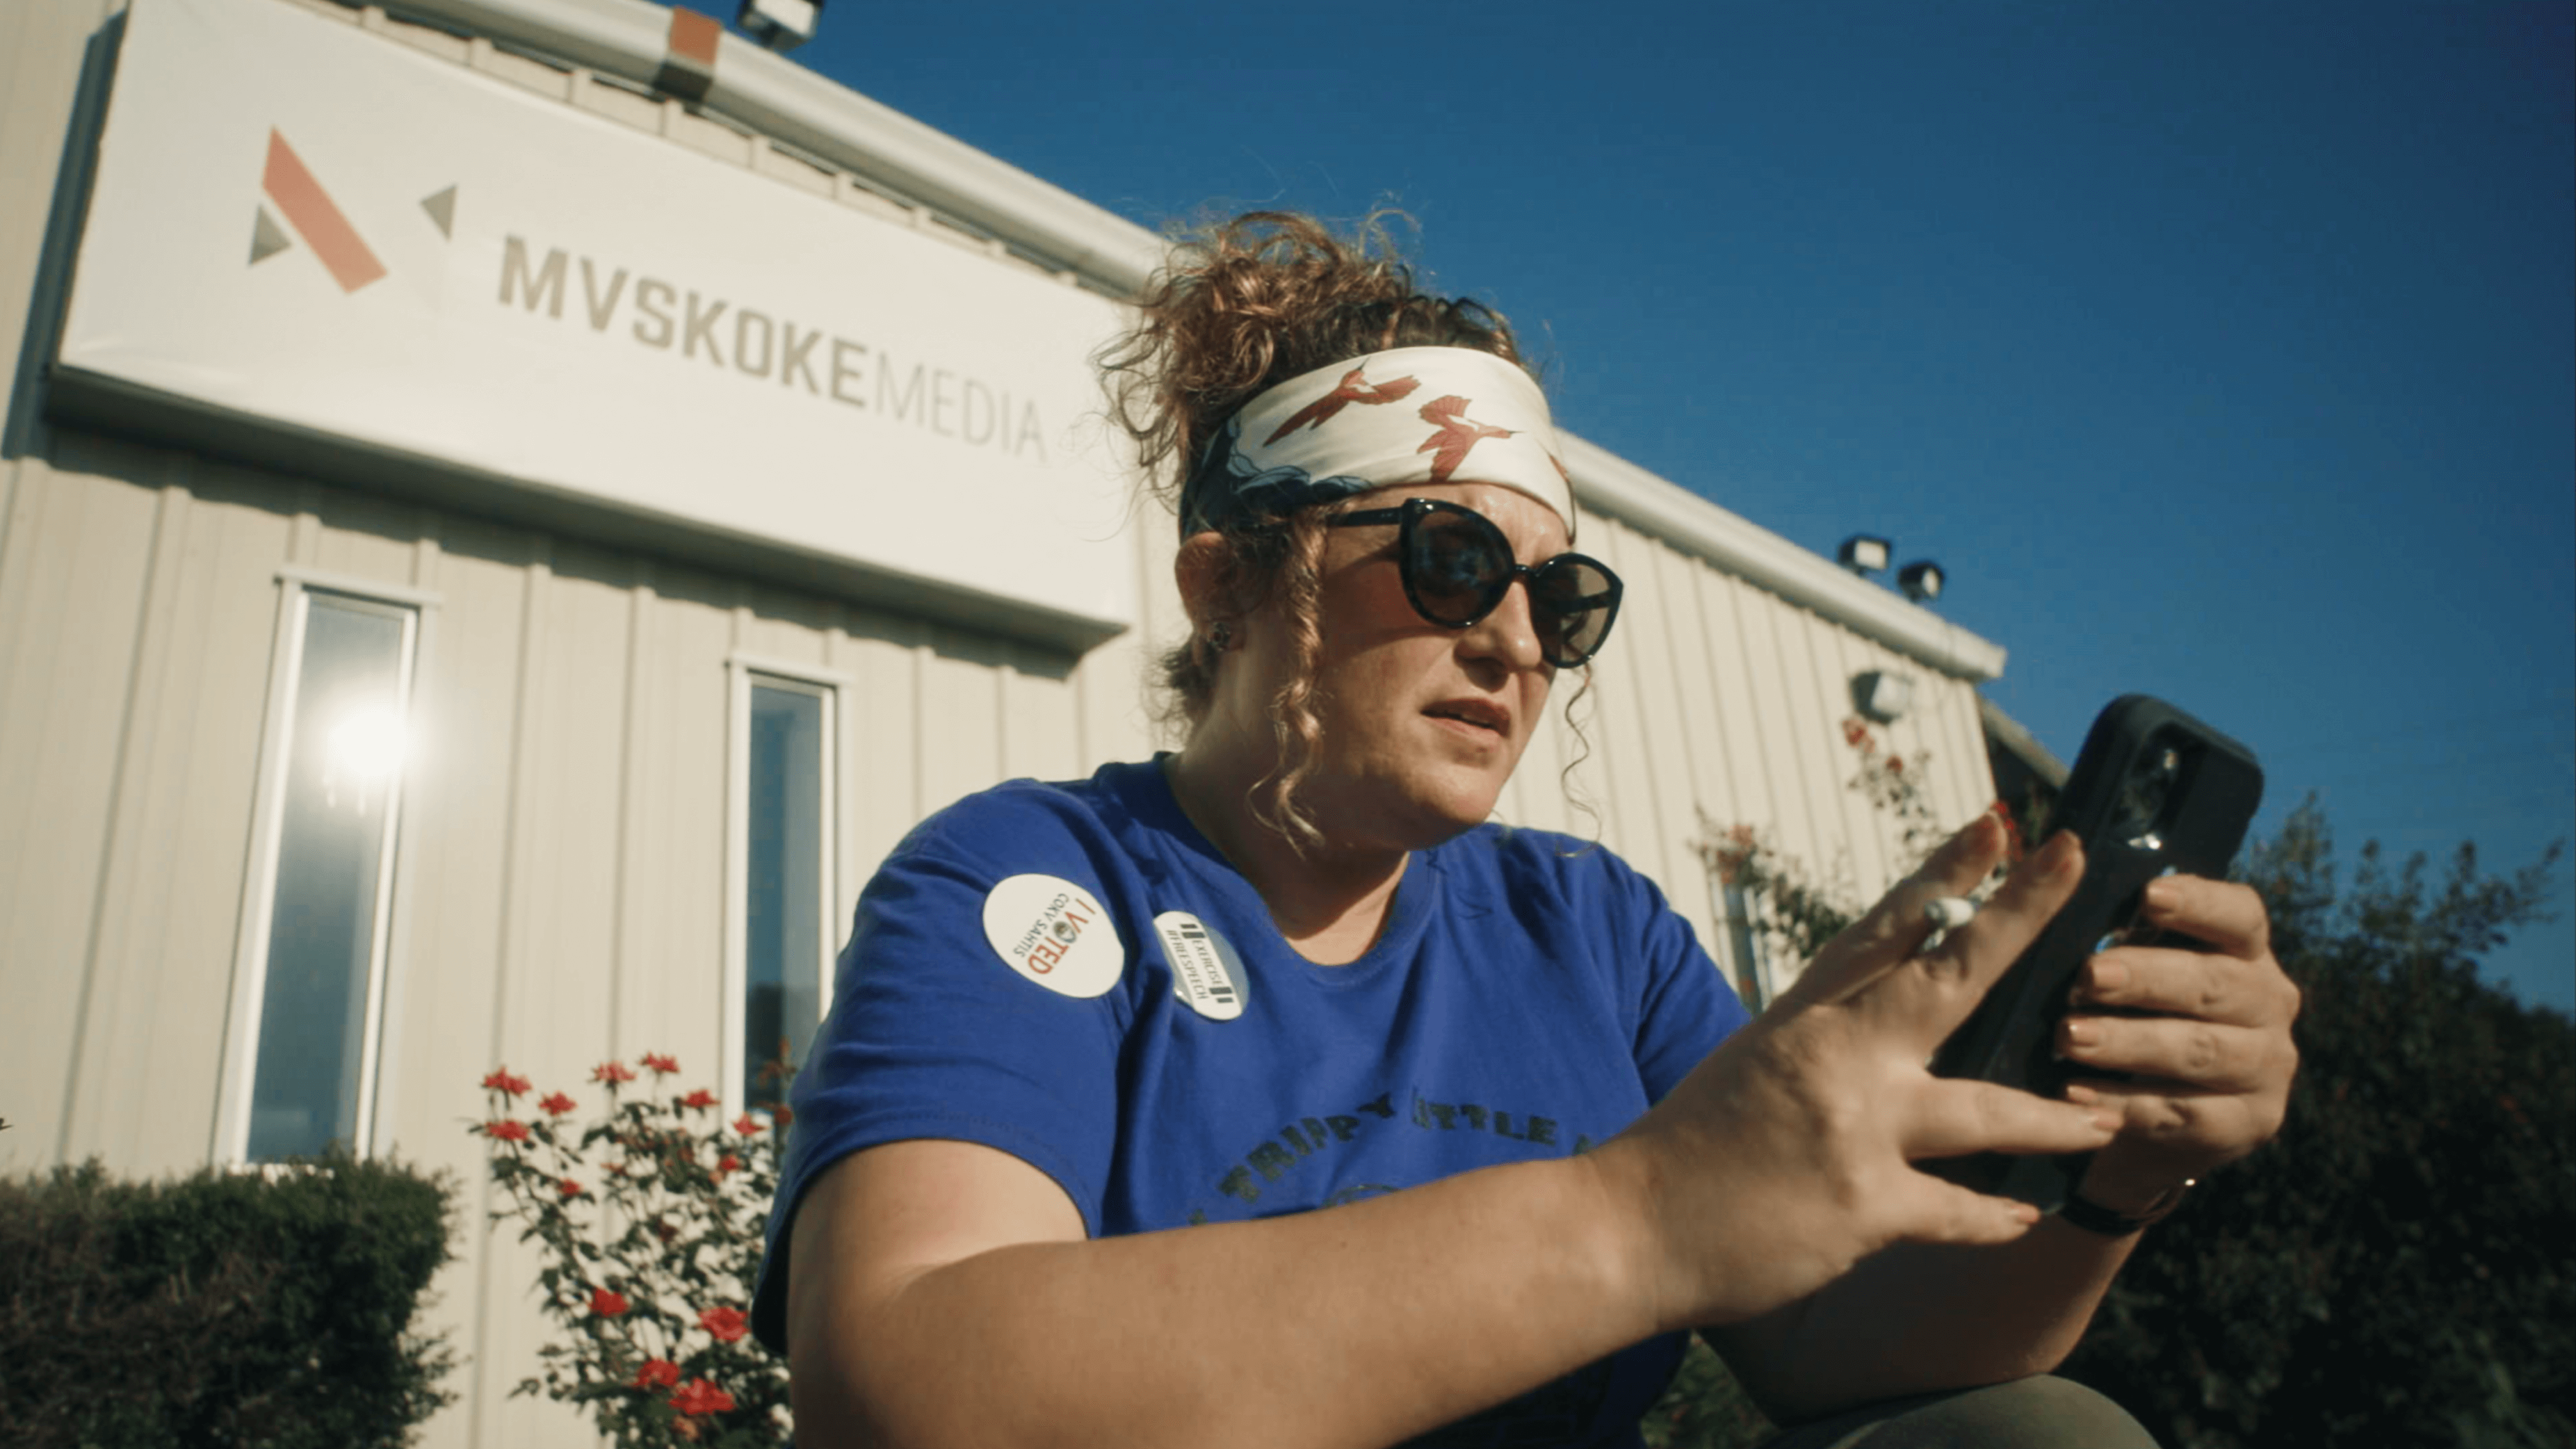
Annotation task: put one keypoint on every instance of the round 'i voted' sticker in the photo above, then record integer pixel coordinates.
(1054, 933)
(1205, 971)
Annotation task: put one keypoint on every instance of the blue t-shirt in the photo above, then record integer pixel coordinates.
(1071, 973)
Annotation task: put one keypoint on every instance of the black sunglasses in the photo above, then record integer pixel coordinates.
(1457, 566)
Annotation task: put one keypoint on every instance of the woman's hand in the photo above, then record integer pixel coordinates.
(2202, 1038)
(1787, 1156)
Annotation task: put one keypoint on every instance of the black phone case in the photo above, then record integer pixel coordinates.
(2154, 792)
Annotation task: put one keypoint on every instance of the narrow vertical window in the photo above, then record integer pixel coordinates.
(321, 986)
(787, 874)
(1744, 949)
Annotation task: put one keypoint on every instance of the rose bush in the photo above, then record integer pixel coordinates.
(650, 1218)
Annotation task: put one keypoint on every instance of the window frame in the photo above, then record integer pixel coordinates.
(742, 672)
(1744, 941)
(387, 958)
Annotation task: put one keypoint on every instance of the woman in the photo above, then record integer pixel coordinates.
(1265, 1094)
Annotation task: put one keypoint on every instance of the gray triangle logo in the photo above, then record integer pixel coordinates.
(442, 209)
(267, 238)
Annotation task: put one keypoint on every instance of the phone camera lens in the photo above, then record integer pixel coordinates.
(2149, 786)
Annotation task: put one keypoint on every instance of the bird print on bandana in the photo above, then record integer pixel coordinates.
(1353, 388)
(1457, 434)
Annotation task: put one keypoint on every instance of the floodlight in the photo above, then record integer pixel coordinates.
(1881, 695)
(1863, 554)
(1921, 580)
(780, 25)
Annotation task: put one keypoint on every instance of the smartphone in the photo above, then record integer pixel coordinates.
(2154, 792)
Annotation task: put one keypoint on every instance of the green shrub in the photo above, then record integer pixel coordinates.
(219, 1309)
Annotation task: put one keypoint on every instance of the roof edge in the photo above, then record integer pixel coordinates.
(782, 100)
(1605, 481)
(2015, 737)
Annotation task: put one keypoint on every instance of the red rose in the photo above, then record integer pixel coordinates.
(700, 1397)
(657, 1373)
(556, 1104)
(569, 1188)
(506, 1130)
(727, 1324)
(1856, 734)
(502, 1081)
(747, 1126)
(727, 1163)
(661, 1063)
(606, 1303)
(699, 1098)
(612, 1072)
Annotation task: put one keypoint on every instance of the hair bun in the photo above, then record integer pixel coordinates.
(1260, 299)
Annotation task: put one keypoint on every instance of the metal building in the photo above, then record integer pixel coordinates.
(509, 508)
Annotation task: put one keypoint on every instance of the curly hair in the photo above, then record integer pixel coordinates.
(1238, 308)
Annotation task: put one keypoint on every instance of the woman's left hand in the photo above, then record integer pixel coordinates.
(2203, 1038)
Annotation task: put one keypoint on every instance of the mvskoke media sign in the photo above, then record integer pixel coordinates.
(297, 220)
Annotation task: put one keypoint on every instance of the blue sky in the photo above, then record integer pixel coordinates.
(2226, 353)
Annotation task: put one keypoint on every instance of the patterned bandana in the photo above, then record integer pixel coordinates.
(1413, 415)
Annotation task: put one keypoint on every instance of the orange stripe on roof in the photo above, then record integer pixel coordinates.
(694, 36)
(319, 222)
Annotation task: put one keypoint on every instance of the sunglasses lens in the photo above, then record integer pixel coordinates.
(1457, 565)
(1572, 601)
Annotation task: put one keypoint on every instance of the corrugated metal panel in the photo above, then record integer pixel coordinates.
(80, 561)
(671, 922)
(958, 729)
(884, 778)
(43, 44)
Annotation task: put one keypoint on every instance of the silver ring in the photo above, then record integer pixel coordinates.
(1947, 914)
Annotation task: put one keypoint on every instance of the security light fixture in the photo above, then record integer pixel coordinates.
(1863, 554)
(780, 25)
(1881, 695)
(1921, 580)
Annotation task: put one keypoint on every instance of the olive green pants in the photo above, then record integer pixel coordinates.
(2037, 1413)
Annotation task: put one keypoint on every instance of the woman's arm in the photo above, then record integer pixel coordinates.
(943, 1293)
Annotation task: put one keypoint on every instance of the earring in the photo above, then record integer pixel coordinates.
(1221, 638)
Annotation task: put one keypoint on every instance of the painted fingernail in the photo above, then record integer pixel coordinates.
(2107, 1121)
(2057, 854)
(2081, 1095)
(2082, 1033)
(2109, 975)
